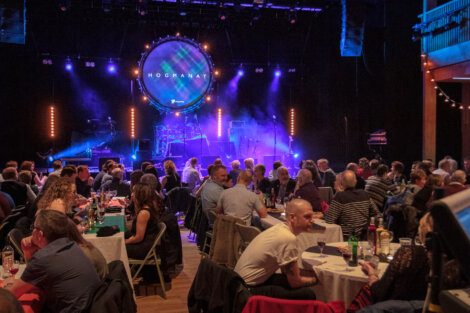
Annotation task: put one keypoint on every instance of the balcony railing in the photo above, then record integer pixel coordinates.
(444, 26)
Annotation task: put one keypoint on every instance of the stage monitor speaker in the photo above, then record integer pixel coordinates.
(101, 161)
(144, 145)
(352, 27)
(188, 149)
(207, 160)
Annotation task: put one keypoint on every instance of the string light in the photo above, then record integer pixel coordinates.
(441, 93)
(132, 122)
(52, 122)
(292, 122)
(219, 122)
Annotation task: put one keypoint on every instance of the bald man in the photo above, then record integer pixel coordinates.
(276, 248)
(351, 208)
(241, 202)
(307, 190)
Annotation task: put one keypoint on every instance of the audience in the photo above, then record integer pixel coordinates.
(466, 168)
(284, 186)
(69, 172)
(191, 176)
(378, 186)
(273, 173)
(19, 192)
(261, 183)
(57, 266)
(60, 196)
(241, 202)
(306, 190)
(274, 249)
(457, 183)
(6, 205)
(212, 189)
(444, 170)
(249, 164)
(327, 176)
(35, 179)
(172, 179)
(235, 171)
(364, 170)
(117, 184)
(57, 168)
(26, 177)
(101, 174)
(423, 198)
(8, 302)
(351, 208)
(361, 183)
(84, 181)
(397, 173)
(312, 167)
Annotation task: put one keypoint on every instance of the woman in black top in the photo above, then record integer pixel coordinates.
(149, 208)
(172, 179)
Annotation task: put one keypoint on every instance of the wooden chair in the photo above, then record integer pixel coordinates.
(152, 258)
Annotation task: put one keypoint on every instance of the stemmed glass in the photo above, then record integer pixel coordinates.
(101, 212)
(321, 243)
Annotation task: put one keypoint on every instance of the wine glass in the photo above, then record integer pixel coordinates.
(347, 254)
(14, 268)
(101, 212)
(321, 243)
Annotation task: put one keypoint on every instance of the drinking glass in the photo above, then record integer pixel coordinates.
(14, 268)
(321, 243)
(100, 217)
(347, 254)
(405, 241)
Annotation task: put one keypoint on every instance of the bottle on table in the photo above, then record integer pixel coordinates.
(272, 198)
(7, 259)
(91, 213)
(378, 231)
(353, 244)
(372, 235)
(385, 238)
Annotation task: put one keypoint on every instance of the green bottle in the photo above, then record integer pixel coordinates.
(353, 243)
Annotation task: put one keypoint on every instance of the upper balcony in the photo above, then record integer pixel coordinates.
(445, 33)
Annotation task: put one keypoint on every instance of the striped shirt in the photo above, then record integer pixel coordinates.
(378, 188)
(351, 209)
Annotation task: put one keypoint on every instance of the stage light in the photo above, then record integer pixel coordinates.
(259, 70)
(277, 73)
(461, 107)
(90, 64)
(111, 67)
(147, 46)
(132, 118)
(435, 87)
(51, 159)
(205, 47)
(292, 122)
(144, 98)
(68, 65)
(177, 114)
(65, 5)
(134, 157)
(208, 98)
(52, 122)
(47, 62)
(136, 71)
(216, 73)
(296, 155)
(219, 122)
(292, 70)
(178, 34)
(241, 72)
(428, 71)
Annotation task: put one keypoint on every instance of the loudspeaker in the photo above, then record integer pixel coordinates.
(144, 145)
(352, 27)
(101, 161)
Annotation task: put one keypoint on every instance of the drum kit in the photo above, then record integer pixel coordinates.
(167, 134)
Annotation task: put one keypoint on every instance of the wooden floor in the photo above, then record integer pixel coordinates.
(178, 290)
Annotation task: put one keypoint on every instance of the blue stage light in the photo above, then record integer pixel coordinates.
(241, 72)
(51, 159)
(296, 155)
(134, 157)
(277, 73)
(111, 68)
(68, 65)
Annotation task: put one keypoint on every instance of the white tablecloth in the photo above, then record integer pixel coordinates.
(113, 248)
(330, 232)
(335, 283)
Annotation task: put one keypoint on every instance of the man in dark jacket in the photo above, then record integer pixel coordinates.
(307, 190)
(283, 186)
(20, 192)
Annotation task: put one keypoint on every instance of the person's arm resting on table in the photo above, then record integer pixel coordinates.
(292, 271)
(20, 287)
(142, 220)
(260, 208)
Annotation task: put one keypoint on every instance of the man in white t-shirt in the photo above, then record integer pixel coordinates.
(240, 202)
(276, 248)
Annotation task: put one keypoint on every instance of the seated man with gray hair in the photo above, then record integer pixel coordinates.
(117, 184)
(351, 208)
(457, 183)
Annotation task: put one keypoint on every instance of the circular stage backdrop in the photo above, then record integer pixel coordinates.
(175, 74)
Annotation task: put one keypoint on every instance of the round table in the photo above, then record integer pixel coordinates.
(335, 283)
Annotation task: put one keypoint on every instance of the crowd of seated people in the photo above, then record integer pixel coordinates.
(361, 190)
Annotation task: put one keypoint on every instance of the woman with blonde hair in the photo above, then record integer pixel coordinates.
(60, 196)
(172, 179)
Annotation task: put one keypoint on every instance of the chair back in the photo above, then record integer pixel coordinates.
(225, 241)
(212, 216)
(14, 237)
(4, 229)
(260, 304)
(326, 194)
(158, 239)
(247, 233)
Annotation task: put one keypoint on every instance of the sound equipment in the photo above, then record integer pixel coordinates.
(352, 27)
(101, 161)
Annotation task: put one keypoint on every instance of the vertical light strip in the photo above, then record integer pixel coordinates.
(219, 122)
(292, 122)
(132, 122)
(52, 127)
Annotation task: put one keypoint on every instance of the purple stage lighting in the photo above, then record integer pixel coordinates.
(241, 72)
(68, 65)
(111, 68)
(277, 73)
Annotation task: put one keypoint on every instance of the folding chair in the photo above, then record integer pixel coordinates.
(151, 258)
(209, 234)
(14, 237)
(247, 233)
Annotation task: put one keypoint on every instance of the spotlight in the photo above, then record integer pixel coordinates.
(177, 114)
(47, 61)
(222, 16)
(296, 155)
(259, 70)
(89, 64)
(147, 46)
(208, 98)
(216, 73)
(136, 71)
(68, 65)
(292, 70)
(178, 34)
(50, 158)
(134, 157)
(182, 13)
(144, 98)
(111, 68)
(64, 5)
(205, 46)
(277, 73)
(241, 72)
